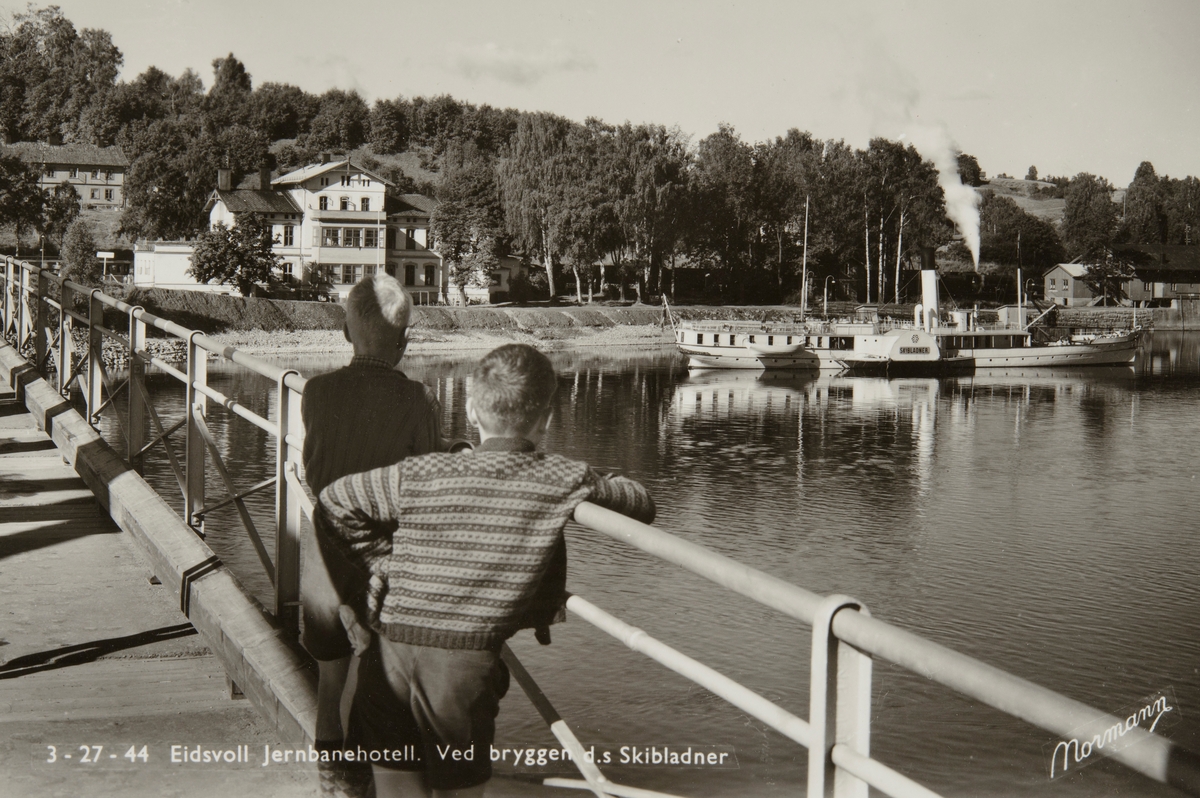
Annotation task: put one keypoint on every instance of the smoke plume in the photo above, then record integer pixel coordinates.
(962, 202)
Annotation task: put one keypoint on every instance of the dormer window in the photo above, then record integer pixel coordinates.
(323, 203)
(364, 204)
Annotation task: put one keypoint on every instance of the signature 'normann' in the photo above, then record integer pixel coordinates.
(1109, 737)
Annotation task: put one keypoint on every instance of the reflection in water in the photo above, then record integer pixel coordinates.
(1040, 520)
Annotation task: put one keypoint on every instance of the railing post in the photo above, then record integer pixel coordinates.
(8, 298)
(22, 320)
(197, 373)
(136, 428)
(42, 322)
(288, 517)
(66, 341)
(839, 704)
(95, 357)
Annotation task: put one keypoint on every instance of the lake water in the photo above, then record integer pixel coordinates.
(1041, 521)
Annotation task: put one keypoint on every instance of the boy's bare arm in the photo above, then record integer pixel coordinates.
(624, 495)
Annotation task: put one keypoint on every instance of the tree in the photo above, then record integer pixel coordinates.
(1031, 174)
(1090, 217)
(229, 100)
(341, 123)
(79, 255)
(60, 209)
(969, 171)
(1107, 274)
(1010, 236)
(389, 126)
(283, 111)
(50, 73)
(241, 255)
(532, 178)
(468, 222)
(20, 197)
(1145, 220)
(1183, 211)
(723, 228)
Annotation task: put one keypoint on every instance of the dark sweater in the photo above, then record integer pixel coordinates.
(468, 548)
(365, 416)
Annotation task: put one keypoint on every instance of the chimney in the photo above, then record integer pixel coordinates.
(224, 179)
(324, 157)
(264, 178)
(929, 289)
(55, 139)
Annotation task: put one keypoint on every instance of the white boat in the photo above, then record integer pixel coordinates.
(1015, 348)
(766, 345)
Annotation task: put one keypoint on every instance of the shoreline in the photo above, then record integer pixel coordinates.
(425, 341)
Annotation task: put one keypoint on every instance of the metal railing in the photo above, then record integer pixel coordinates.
(845, 638)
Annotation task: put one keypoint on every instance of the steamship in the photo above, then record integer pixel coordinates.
(927, 346)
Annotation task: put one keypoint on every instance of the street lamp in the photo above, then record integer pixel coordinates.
(828, 277)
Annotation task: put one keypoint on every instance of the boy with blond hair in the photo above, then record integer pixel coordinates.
(464, 550)
(362, 416)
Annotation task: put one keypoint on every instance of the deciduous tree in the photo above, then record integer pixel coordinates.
(1090, 217)
(240, 255)
(79, 255)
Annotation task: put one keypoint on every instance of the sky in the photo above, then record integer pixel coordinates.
(1064, 85)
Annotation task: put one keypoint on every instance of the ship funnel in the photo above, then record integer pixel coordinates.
(929, 288)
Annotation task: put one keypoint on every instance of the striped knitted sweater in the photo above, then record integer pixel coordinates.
(468, 548)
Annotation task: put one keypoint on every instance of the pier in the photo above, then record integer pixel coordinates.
(73, 507)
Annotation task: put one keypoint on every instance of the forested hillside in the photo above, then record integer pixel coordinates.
(618, 208)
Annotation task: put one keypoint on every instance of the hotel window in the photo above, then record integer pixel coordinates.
(350, 274)
(410, 239)
(369, 270)
(73, 173)
(95, 193)
(289, 235)
(391, 238)
(430, 274)
(96, 174)
(345, 180)
(364, 204)
(108, 175)
(109, 194)
(410, 274)
(49, 171)
(370, 238)
(287, 269)
(352, 237)
(323, 203)
(390, 269)
(332, 236)
(345, 204)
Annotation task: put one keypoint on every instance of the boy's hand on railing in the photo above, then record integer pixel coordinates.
(360, 636)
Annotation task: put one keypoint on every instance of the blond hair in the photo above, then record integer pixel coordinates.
(379, 305)
(512, 388)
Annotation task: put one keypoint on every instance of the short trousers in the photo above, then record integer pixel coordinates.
(427, 709)
(323, 568)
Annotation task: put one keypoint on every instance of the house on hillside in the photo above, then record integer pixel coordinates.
(1064, 285)
(97, 173)
(333, 223)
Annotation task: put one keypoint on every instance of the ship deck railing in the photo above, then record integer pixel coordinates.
(39, 312)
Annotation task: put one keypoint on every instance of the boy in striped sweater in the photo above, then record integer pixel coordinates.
(462, 551)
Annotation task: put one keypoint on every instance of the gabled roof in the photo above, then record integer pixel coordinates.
(244, 200)
(305, 173)
(414, 204)
(66, 154)
(1076, 270)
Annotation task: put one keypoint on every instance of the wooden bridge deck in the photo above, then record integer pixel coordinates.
(92, 653)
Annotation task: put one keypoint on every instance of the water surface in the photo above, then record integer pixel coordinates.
(1040, 520)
